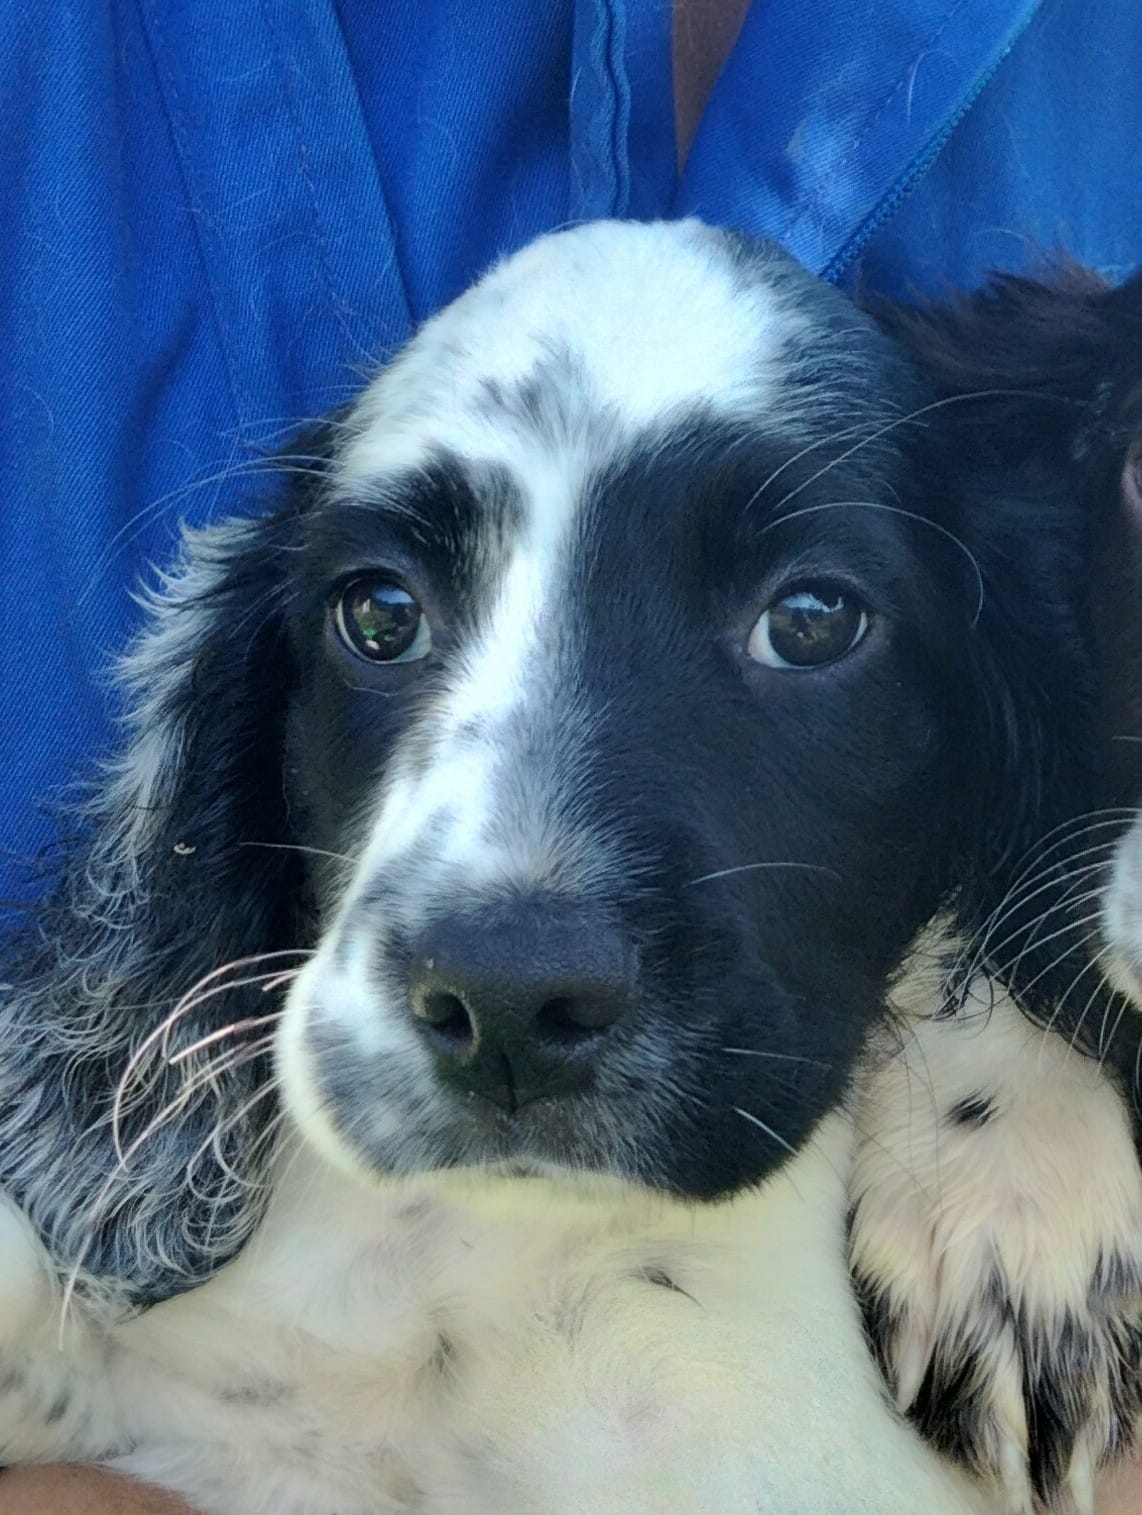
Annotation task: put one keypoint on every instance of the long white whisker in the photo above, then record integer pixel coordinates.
(707, 878)
(216, 1036)
(159, 1036)
(338, 857)
(896, 510)
(777, 1057)
(755, 1120)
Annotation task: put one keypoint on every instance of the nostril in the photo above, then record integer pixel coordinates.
(448, 1017)
(569, 1020)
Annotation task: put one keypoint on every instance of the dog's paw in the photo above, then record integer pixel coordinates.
(996, 1245)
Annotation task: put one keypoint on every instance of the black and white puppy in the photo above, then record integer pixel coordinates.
(630, 678)
(996, 1229)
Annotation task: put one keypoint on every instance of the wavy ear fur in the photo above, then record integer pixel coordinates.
(163, 890)
(1038, 392)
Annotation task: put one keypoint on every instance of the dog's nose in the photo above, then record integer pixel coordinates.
(516, 1002)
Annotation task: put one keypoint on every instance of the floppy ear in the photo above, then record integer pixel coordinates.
(131, 1151)
(1033, 427)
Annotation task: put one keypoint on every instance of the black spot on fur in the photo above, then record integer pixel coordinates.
(881, 1320)
(257, 1395)
(58, 1408)
(1116, 1278)
(442, 1361)
(972, 1110)
(662, 1280)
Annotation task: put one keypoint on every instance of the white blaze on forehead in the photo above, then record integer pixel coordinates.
(452, 789)
(493, 664)
(616, 328)
(654, 317)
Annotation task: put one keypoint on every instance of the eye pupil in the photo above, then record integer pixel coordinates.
(808, 627)
(385, 618)
(379, 620)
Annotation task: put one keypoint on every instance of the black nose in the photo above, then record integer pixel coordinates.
(516, 1002)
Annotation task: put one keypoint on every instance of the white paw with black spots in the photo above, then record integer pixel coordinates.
(996, 1242)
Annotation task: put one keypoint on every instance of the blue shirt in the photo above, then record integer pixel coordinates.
(215, 218)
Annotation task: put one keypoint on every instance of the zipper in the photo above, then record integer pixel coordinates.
(916, 170)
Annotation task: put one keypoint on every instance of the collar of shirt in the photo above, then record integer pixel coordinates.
(353, 165)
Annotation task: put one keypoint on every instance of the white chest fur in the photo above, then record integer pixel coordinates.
(452, 1347)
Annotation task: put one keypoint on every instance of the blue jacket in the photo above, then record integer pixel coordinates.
(215, 215)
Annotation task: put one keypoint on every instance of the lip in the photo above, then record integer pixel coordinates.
(551, 1138)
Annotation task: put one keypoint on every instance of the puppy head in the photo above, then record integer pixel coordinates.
(648, 689)
(640, 664)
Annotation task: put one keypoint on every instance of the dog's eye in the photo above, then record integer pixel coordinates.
(808, 627)
(380, 621)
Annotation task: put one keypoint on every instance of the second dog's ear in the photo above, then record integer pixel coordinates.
(1038, 384)
(1027, 442)
(1038, 369)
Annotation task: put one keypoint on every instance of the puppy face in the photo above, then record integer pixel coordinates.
(617, 690)
(639, 697)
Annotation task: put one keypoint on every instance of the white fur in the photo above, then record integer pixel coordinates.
(573, 1385)
(700, 334)
(1122, 914)
(952, 1218)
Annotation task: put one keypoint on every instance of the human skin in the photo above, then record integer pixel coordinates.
(85, 1491)
(79, 1491)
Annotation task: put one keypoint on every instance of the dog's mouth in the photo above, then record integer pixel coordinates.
(387, 1110)
(405, 1131)
(699, 1098)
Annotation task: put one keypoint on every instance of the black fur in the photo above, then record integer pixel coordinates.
(1042, 400)
(914, 772)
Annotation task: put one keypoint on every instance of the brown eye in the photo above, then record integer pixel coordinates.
(808, 627)
(381, 622)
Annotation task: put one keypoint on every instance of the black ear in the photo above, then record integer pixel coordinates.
(1068, 347)
(1035, 407)
(138, 1165)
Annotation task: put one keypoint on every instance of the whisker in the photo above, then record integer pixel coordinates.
(777, 1057)
(755, 1120)
(1092, 963)
(707, 878)
(908, 419)
(1091, 821)
(159, 1036)
(1036, 869)
(896, 510)
(215, 1137)
(338, 857)
(216, 1036)
(1012, 903)
(1072, 926)
(232, 1058)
